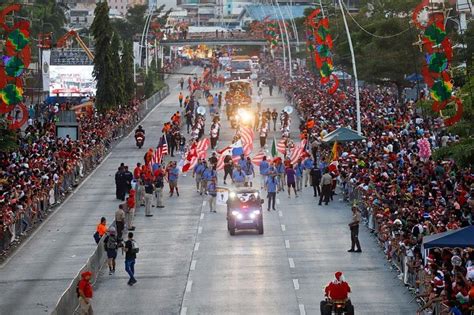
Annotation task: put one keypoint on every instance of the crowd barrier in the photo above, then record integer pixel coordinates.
(68, 302)
(413, 276)
(51, 196)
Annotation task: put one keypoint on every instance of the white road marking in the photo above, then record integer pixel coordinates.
(278, 201)
(189, 285)
(202, 216)
(296, 284)
(193, 265)
(292, 262)
(283, 227)
(200, 230)
(204, 203)
(280, 214)
(184, 310)
(287, 243)
(302, 310)
(196, 246)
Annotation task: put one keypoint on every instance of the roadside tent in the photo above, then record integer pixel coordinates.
(463, 237)
(343, 134)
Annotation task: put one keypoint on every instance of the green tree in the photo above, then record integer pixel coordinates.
(128, 73)
(8, 138)
(118, 71)
(149, 88)
(383, 42)
(103, 67)
(134, 21)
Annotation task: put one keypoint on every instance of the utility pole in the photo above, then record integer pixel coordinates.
(354, 68)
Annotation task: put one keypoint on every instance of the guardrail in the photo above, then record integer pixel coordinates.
(45, 202)
(68, 302)
(413, 276)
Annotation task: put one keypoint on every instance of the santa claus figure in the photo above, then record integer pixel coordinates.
(338, 289)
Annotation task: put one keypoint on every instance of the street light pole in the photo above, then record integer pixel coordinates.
(354, 69)
(287, 38)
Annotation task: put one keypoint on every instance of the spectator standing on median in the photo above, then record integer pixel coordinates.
(131, 250)
(149, 190)
(111, 242)
(100, 230)
(85, 292)
(354, 227)
(120, 221)
(212, 192)
(181, 83)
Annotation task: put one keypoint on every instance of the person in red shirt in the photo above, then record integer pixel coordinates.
(85, 293)
(338, 289)
(137, 171)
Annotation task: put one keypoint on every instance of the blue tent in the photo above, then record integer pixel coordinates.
(463, 237)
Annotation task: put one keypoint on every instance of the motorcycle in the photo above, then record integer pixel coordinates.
(339, 307)
(140, 139)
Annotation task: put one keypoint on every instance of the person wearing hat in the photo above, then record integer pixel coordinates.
(85, 293)
(111, 243)
(338, 289)
(354, 227)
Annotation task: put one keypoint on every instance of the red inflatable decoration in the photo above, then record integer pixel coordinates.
(15, 60)
(439, 54)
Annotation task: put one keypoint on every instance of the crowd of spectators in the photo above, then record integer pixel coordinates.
(45, 167)
(404, 196)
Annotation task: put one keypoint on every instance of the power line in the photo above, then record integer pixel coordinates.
(369, 33)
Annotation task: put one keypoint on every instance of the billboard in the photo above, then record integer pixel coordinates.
(70, 80)
(68, 72)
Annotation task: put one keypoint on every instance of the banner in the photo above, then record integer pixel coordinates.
(222, 196)
(46, 59)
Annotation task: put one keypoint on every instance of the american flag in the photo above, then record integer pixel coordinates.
(297, 152)
(281, 146)
(196, 151)
(247, 134)
(258, 158)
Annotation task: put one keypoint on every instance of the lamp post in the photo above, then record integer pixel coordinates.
(354, 68)
(287, 38)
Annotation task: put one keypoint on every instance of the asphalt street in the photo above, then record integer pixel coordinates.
(189, 264)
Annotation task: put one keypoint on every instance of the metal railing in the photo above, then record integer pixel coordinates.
(46, 201)
(414, 277)
(68, 302)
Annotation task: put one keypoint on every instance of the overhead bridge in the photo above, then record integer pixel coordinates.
(218, 42)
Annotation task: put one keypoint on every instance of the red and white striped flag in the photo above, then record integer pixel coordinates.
(281, 146)
(196, 151)
(297, 152)
(247, 134)
(258, 158)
